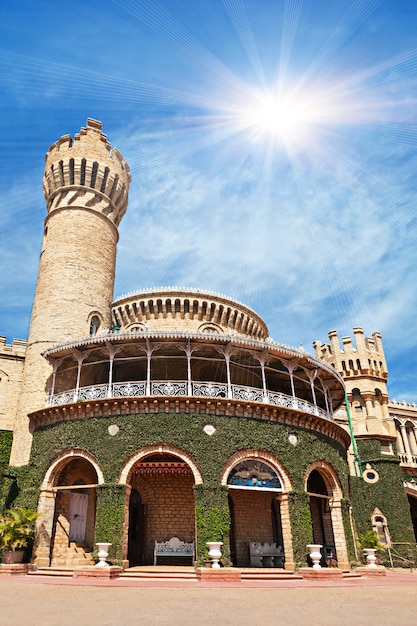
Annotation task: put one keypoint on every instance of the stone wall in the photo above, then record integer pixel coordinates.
(12, 358)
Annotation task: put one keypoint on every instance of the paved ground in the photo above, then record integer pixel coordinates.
(383, 602)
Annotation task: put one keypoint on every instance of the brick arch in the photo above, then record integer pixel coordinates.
(148, 450)
(329, 475)
(60, 460)
(262, 455)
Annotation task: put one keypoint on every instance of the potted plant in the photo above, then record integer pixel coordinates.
(17, 529)
(369, 542)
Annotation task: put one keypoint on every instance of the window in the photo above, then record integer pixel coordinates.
(94, 325)
(254, 474)
(379, 524)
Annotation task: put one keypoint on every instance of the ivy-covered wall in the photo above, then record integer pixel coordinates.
(7, 482)
(210, 453)
(213, 520)
(387, 494)
(110, 518)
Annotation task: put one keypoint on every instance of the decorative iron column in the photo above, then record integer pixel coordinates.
(79, 357)
(112, 350)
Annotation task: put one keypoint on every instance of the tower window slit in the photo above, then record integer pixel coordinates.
(94, 174)
(71, 171)
(114, 187)
(104, 181)
(61, 172)
(82, 173)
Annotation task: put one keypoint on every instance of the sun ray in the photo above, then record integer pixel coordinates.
(356, 15)
(160, 20)
(292, 12)
(238, 15)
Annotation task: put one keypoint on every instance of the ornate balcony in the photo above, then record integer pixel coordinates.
(134, 389)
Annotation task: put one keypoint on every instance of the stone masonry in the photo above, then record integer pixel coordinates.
(86, 199)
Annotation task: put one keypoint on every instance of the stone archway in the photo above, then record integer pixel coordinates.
(160, 501)
(324, 489)
(67, 505)
(258, 502)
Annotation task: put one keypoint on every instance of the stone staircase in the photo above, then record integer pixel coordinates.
(71, 556)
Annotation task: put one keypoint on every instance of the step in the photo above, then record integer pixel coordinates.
(161, 573)
(267, 573)
(51, 571)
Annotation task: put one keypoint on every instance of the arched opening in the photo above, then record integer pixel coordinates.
(161, 506)
(256, 535)
(320, 508)
(73, 526)
(137, 530)
(413, 512)
(380, 526)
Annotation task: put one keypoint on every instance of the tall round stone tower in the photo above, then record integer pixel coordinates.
(86, 190)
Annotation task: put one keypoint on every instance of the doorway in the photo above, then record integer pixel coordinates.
(137, 530)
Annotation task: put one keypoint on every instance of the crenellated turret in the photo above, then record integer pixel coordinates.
(363, 367)
(87, 170)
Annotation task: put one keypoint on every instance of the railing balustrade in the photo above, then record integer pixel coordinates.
(181, 388)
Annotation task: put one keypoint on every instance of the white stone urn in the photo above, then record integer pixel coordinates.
(215, 553)
(315, 554)
(103, 553)
(370, 557)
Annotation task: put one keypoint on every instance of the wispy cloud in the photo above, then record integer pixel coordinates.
(314, 228)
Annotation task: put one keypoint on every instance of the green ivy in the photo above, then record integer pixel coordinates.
(387, 494)
(8, 486)
(210, 453)
(212, 521)
(110, 519)
(301, 525)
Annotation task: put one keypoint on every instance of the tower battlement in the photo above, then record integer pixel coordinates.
(363, 356)
(86, 171)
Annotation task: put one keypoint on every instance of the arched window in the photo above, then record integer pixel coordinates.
(379, 524)
(254, 474)
(94, 325)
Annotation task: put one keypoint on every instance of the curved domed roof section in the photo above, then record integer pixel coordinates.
(176, 308)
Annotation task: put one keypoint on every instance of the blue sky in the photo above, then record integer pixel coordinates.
(272, 146)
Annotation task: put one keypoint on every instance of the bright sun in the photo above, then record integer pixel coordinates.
(285, 118)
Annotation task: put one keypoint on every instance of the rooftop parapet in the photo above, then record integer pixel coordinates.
(15, 349)
(364, 356)
(87, 162)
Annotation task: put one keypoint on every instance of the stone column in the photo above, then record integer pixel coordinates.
(286, 533)
(406, 443)
(44, 528)
(110, 518)
(213, 520)
(339, 534)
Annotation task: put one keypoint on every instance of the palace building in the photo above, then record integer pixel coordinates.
(171, 412)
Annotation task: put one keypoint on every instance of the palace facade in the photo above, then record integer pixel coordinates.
(173, 413)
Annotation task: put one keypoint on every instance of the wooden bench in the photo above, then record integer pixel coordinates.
(266, 554)
(173, 547)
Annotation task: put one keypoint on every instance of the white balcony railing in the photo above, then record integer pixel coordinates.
(178, 388)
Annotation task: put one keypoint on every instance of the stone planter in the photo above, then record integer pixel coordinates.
(215, 552)
(13, 556)
(370, 557)
(315, 554)
(103, 553)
